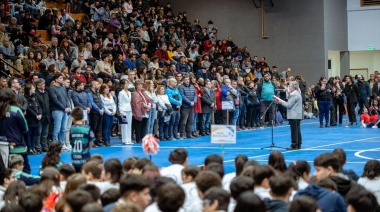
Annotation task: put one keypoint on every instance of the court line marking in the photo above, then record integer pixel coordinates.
(357, 154)
(345, 142)
(310, 161)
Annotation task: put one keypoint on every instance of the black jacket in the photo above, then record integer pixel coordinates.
(44, 101)
(21, 101)
(375, 90)
(207, 100)
(351, 92)
(323, 94)
(32, 111)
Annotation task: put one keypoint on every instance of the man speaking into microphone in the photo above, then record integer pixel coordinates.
(294, 111)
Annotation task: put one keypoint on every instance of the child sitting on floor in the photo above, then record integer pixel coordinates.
(16, 163)
(365, 118)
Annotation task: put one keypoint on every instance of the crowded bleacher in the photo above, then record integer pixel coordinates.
(81, 74)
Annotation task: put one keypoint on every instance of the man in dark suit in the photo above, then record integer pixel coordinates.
(376, 89)
(208, 104)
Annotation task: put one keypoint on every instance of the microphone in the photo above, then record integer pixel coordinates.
(281, 89)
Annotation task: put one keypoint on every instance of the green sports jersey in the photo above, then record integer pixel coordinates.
(80, 138)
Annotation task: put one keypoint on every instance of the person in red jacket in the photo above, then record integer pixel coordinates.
(198, 105)
(163, 57)
(79, 76)
(364, 117)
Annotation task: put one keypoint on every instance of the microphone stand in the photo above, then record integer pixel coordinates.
(273, 145)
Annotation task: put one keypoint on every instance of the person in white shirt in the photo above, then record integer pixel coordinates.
(179, 160)
(192, 201)
(113, 170)
(109, 113)
(163, 112)
(6, 177)
(300, 171)
(125, 111)
(240, 160)
(370, 179)
(239, 185)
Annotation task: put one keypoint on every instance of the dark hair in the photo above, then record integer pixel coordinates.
(192, 171)
(92, 207)
(5, 175)
(141, 163)
(132, 182)
(129, 163)
(170, 197)
(97, 157)
(250, 163)
(216, 193)
(241, 184)
(240, 160)
(371, 169)
(11, 207)
(280, 184)
(207, 179)
(110, 196)
(248, 201)
(31, 202)
(277, 161)
(362, 200)
(261, 172)
(14, 190)
(298, 168)
(327, 159)
(53, 155)
(77, 84)
(341, 155)
(213, 158)
(66, 170)
(94, 168)
(114, 167)
(77, 199)
(216, 167)
(77, 113)
(49, 178)
(303, 203)
(178, 156)
(92, 189)
(157, 183)
(27, 89)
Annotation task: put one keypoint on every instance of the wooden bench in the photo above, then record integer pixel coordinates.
(44, 35)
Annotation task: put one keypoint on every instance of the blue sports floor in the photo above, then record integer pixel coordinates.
(360, 144)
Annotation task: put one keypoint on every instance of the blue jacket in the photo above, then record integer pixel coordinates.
(171, 92)
(364, 90)
(80, 99)
(182, 67)
(188, 95)
(58, 98)
(130, 64)
(327, 201)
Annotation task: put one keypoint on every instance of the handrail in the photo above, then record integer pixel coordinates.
(263, 35)
(4, 61)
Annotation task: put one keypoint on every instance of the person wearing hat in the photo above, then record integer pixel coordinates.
(16, 163)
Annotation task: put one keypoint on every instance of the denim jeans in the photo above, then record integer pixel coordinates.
(173, 124)
(194, 127)
(107, 126)
(236, 116)
(60, 121)
(205, 127)
(41, 139)
(150, 124)
(241, 120)
(324, 110)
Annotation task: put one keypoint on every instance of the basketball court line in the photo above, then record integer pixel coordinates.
(357, 154)
(310, 161)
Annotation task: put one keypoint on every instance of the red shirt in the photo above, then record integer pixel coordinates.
(365, 118)
(374, 118)
(80, 77)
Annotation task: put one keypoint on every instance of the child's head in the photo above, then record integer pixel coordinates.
(373, 112)
(16, 161)
(189, 173)
(365, 111)
(325, 165)
(77, 114)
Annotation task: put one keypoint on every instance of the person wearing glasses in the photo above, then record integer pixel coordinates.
(79, 62)
(323, 92)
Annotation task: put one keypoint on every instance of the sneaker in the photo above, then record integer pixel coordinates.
(65, 149)
(262, 127)
(374, 127)
(364, 125)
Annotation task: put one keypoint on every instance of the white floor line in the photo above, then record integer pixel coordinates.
(310, 161)
(357, 154)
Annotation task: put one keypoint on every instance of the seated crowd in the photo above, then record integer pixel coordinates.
(139, 185)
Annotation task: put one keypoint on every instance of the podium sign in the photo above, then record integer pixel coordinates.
(223, 134)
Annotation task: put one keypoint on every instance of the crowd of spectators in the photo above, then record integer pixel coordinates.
(134, 68)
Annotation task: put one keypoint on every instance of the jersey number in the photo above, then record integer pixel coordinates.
(78, 146)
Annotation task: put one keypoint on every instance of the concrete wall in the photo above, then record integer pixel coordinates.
(365, 59)
(295, 29)
(363, 26)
